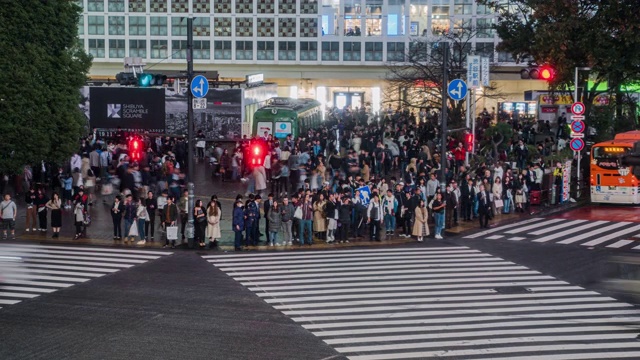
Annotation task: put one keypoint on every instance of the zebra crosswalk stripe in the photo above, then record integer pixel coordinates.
(436, 307)
(29, 271)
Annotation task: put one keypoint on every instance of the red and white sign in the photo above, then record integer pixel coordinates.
(577, 108)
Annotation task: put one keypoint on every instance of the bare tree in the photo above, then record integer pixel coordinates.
(415, 82)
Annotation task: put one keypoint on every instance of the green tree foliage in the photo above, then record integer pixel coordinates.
(42, 67)
(602, 35)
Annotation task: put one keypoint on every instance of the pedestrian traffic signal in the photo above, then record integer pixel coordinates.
(148, 79)
(468, 142)
(538, 73)
(124, 78)
(136, 148)
(257, 153)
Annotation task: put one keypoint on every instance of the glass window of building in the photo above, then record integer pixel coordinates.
(351, 51)
(505, 57)
(308, 51)
(287, 50)
(244, 26)
(158, 25)
(485, 50)
(330, 51)
(244, 6)
(222, 49)
(116, 25)
(81, 25)
(222, 26)
(459, 52)
(244, 50)
(96, 25)
(352, 18)
(96, 48)
(178, 26)
(418, 15)
(287, 27)
(95, 5)
(287, 6)
(116, 6)
(396, 18)
(266, 6)
(266, 50)
(201, 26)
(201, 49)
(158, 6)
(222, 6)
(373, 17)
(484, 28)
(463, 7)
(463, 27)
(483, 10)
(137, 25)
(137, 6)
(201, 6)
(138, 48)
(266, 27)
(179, 49)
(116, 49)
(308, 7)
(159, 49)
(329, 18)
(440, 20)
(308, 27)
(418, 51)
(373, 51)
(395, 51)
(180, 6)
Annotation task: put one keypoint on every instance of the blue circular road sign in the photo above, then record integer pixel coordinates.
(457, 89)
(577, 126)
(576, 144)
(199, 86)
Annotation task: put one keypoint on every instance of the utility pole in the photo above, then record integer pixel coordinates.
(444, 114)
(190, 165)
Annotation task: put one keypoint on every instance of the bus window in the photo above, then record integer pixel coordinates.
(606, 157)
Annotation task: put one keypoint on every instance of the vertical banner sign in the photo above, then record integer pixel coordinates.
(484, 69)
(566, 180)
(473, 72)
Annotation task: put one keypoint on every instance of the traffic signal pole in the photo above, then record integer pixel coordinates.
(190, 170)
(444, 115)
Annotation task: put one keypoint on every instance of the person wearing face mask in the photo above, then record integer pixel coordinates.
(522, 153)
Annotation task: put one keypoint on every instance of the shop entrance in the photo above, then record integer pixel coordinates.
(350, 99)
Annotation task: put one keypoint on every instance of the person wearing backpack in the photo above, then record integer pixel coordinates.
(8, 210)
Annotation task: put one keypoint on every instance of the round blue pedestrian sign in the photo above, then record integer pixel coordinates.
(576, 144)
(457, 89)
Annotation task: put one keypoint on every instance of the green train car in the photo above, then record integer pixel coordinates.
(283, 116)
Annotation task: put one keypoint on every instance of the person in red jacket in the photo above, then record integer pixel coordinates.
(459, 154)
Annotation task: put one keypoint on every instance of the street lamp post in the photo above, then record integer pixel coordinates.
(444, 115)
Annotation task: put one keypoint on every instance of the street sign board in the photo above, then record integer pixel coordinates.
(457, 89)
(577, 108)
(577, 126)
(577, 117)
(199, 103)
(484, 69)
(365, 194)
(199, 86)
(576, 135)
(576, 144)
(473, 71)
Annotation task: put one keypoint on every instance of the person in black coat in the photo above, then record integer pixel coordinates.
(267, 206)
(344, 217)
(466, 199)
(117, 210)
(484, 207)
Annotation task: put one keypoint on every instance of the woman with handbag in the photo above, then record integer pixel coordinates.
(496, 189)
(143, 216)
(213, 224)
(169, 218)
(200, 219)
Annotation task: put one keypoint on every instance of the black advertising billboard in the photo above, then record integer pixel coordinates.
(131, 108)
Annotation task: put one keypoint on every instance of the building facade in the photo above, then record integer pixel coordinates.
(335, 51)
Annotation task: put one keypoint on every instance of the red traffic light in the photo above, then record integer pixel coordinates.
(257, 155)
(547, 73)
(468, 141)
